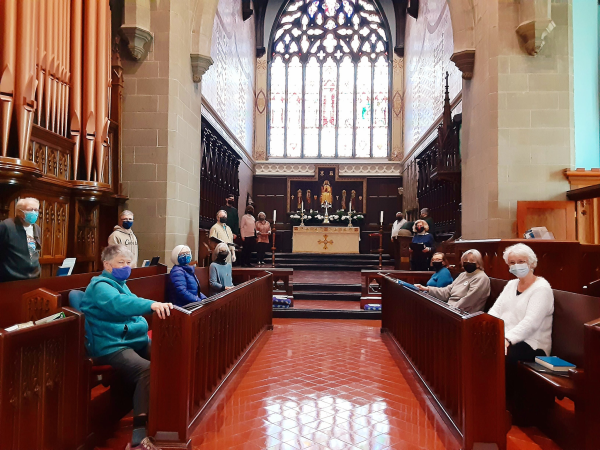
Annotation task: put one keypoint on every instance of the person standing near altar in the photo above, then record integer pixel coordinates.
(248, 232)
(233, 218)
(222, 233)
(397, 225)
(263, 230)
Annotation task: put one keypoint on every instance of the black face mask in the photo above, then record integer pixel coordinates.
(398, 218)
(420, 229)
(229, 202)
(437, 265)
(222, 256)
(223, 219)
(469, 267)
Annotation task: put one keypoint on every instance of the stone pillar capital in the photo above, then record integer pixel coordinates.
(138, 40)
(200, 64)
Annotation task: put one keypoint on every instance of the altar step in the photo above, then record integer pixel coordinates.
(321, 291)
(314, 261)
(293, 313)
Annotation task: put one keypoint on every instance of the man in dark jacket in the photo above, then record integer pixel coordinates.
(233, 219)
(20, 243)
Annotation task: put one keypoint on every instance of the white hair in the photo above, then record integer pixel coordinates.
(219, 213)
(126, 212)
(22, 202)
(521, 250)
(476, 255)
(112, 251)
(424, 223)
(261, 214)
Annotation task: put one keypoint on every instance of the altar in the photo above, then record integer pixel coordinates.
(325, 239)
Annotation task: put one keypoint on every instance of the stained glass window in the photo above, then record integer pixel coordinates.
(329, 77)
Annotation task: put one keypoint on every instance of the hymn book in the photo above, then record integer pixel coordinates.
(554, 363)
(52, 318)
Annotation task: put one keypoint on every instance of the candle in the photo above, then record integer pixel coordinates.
(274, 215)
(303, 206)
(381, 218)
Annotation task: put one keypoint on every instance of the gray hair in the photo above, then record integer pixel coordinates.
(521, 250)
(261, 214)
(112, 251)
(125, 213)
(476, 255)
(425, 211)
(219, 213)
(222, 247)
(23, 201)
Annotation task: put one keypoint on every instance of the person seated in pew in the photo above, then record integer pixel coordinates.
(183, 286)
(526, 306)
(471, 288)
(420, 258)
(220, 275)
(119, 333)
(442, 277)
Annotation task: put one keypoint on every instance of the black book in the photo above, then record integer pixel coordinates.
(154, 261)
(539, 368)
(416, 247)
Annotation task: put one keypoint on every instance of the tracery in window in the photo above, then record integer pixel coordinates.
(329, 81)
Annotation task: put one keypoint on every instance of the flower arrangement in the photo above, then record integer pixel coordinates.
(345, 216)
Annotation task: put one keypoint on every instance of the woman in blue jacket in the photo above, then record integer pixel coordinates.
(422, 246)
(118, 334)
(442, 277)
(183, 286)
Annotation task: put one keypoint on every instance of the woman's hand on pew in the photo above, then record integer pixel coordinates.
(422, 288)
(162, 309)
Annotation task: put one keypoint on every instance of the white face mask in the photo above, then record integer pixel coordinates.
(519, 270)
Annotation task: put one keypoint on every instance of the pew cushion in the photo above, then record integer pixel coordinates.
(281, 302)
(372, 307)
(75, 299)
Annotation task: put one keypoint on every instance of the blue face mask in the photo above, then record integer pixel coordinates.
(121, 273)
(127, 224)
(184, 260)
(31, 216)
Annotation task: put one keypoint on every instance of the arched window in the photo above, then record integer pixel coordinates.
(329, 76)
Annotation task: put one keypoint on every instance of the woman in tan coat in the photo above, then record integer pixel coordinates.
(471, 288)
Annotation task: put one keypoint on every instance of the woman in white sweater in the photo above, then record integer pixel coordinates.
(526, 306)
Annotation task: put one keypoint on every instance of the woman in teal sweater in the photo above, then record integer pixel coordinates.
(118, 334)
(442, 276)
(220, 276)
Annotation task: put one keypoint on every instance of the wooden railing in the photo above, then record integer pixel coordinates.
(194, 351)
(459, 358)
(281, 278)
(371, 281)
(12, 300)
(41, 377)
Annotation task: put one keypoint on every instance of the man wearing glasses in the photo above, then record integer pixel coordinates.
(20, 243)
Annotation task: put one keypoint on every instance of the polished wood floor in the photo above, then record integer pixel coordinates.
(325, 384)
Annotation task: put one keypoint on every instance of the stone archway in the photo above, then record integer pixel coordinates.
(203, 19)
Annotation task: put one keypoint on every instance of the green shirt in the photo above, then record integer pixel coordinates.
(233, 219)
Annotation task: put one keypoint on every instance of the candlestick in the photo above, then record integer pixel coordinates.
(381, 243)
(381, 218)
(274, 215)
(303, 206)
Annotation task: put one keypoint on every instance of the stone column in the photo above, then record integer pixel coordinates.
(161, 136)
(518, 133)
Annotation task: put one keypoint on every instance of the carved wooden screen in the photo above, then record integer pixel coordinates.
(219, 174)
(329, 78)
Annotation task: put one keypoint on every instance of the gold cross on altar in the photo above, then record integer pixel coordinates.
(325, 242)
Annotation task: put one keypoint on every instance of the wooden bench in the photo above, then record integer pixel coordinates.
(371, 282)
(43, 384)
(575, 338)
(196, 349)
(456, 356)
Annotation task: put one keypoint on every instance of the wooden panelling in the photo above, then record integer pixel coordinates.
(458, 357)
(557, 217)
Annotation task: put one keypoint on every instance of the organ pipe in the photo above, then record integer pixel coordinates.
(89, 83)
(101, 89)
(8, 46)
(76, 52)
(55, 55)
(25, 75)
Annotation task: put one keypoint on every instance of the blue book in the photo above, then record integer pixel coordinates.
(408, 285)
(554, 363)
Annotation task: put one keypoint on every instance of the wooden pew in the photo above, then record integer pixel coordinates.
(371, 282)
(458, 357)
(575, 338)
(43, 384)
(282, 275)
(567, 265)
(196, 349)
(13, 291)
